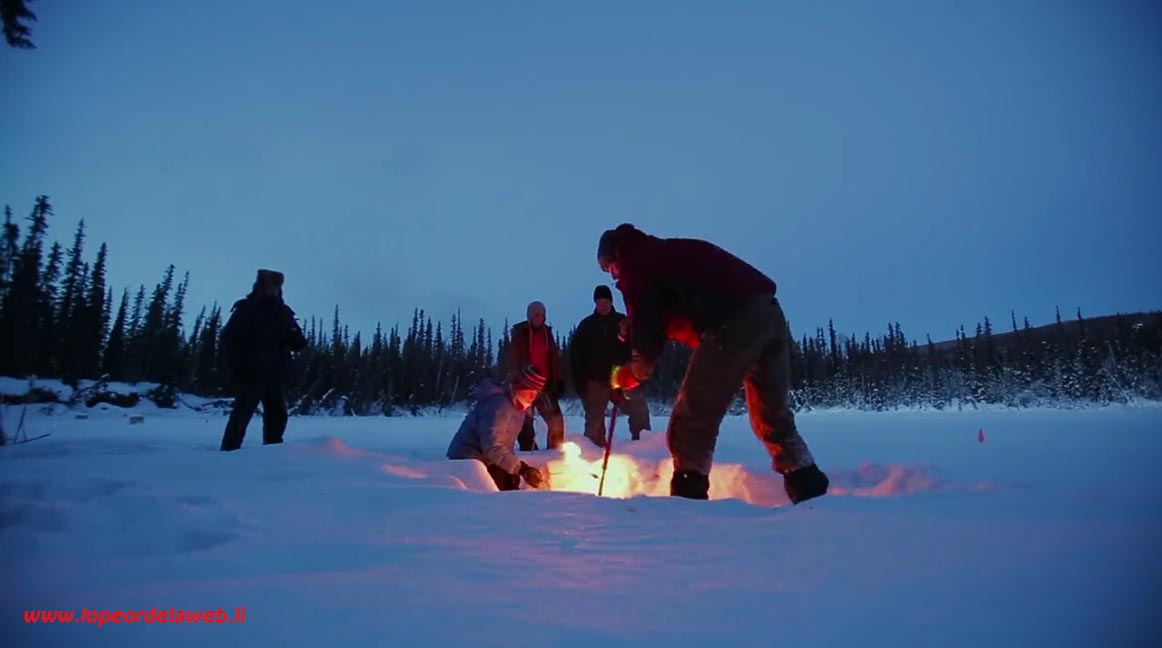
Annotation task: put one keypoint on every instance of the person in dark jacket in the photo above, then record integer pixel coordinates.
(695, 292)
(595, 349)
(489, 431)
(258, 340)
(533, 343)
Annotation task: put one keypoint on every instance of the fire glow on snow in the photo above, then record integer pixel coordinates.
(573, 473)
(631, 474)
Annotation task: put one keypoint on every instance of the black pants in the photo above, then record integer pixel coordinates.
(504, 481)
(550, 410)
(272, 395)
(597, 395)
(752, 349)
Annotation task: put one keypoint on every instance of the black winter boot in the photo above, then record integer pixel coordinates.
(805, 483)
(690, 484)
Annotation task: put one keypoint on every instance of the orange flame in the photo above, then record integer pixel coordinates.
(573, 473)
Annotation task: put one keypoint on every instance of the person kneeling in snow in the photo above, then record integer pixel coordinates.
(489, 431)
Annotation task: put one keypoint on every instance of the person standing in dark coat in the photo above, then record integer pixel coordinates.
(695, 292)
(258, 340)
(533, 343)
(596, 348)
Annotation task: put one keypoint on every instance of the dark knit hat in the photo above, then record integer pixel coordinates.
(267, 279)
(602, 292)
(609, 246)
(529, 378)
(272, 278)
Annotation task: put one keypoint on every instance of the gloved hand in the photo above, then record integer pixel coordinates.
(622, 378)
(292, 337)
(623, 330)
(533, 477)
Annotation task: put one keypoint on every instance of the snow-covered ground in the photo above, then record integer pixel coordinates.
(358, 532)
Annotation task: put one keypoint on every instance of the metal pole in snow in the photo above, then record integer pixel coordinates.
(608, 449)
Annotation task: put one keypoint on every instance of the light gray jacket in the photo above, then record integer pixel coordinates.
(489, 431)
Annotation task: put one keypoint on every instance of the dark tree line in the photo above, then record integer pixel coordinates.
(392, 372)
(1115, 359)
(14, 14)
(60, 319)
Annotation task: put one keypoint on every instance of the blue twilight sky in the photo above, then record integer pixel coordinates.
(926, 162)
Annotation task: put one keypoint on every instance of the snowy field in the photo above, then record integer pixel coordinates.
(358, 533)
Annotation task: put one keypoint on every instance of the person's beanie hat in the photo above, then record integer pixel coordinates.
(272, 278)
(529, 378)
(265, 278)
